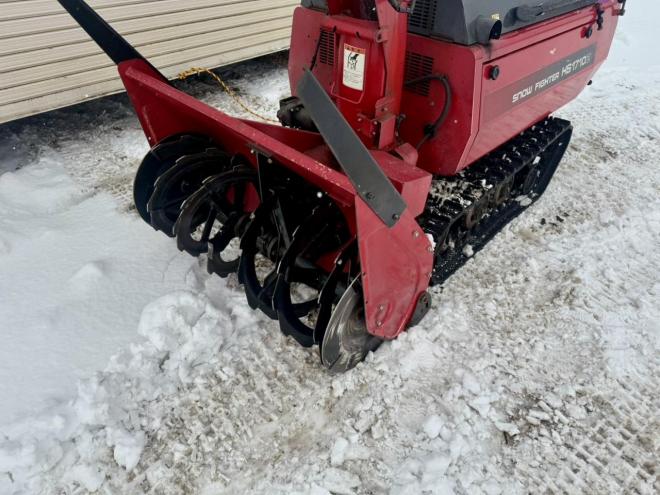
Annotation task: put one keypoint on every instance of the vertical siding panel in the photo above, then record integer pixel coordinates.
(47, 63)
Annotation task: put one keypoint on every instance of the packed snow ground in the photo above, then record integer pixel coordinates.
(537, 371)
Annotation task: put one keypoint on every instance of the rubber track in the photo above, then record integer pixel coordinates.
(452, 199)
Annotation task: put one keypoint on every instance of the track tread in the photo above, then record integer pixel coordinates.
(451, 199)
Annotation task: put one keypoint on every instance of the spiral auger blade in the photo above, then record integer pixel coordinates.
(380, 203)
(179, 182)
(211, 215)
(157, 161)
(338, 326)
(297, 265)
(259, 294)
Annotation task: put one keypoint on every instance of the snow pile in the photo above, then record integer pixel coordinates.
(75, 277)
(204, 352)
(184, 337)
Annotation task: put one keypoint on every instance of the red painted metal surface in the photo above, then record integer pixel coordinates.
(468, 133)
(164, 111)
(393, 276)
(372, 107)
(396, 268)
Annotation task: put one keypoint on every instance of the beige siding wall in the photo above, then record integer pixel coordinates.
(47, 61)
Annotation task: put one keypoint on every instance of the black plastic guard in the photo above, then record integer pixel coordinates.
(370, 182)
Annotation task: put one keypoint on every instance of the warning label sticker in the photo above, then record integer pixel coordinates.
(354, 63)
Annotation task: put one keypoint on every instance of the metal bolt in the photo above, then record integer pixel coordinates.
(396, 216)
(415, 234)
(270, 161)
(379, 323)
(381, 307)
(252, 152)
(370, 195)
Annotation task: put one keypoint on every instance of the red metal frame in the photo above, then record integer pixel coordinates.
(396, 262)
(392, 281)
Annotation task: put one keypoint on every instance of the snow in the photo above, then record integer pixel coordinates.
(433, 426)
(338, 454)
(93, 270)
(125, 368)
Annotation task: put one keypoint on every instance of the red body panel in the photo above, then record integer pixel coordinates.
(470, 131)
(372, 106)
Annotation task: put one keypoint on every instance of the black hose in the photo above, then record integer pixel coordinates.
(316, 53)
(431, 130)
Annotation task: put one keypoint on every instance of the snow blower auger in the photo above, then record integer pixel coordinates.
(416, 131)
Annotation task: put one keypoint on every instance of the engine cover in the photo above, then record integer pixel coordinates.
(472, 21)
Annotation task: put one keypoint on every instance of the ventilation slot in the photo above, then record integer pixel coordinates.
(422, 18)
(327, 47)
(418, 66)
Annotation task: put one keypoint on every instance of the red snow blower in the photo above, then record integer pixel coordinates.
(416, 131)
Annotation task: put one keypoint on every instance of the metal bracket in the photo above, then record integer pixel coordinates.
(370, 182)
